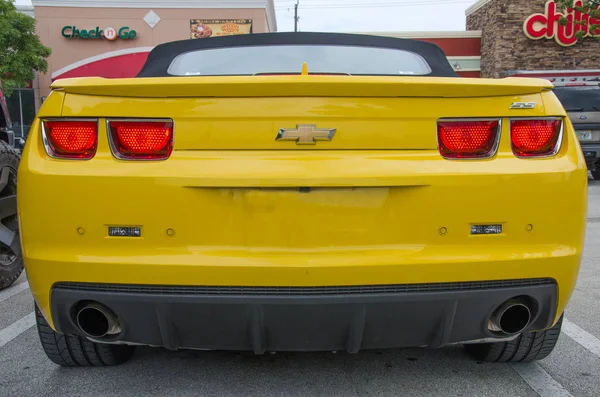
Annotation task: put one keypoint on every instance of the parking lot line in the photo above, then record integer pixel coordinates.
(15, 289)
(584, 338)
(540, 380)
(17, 328)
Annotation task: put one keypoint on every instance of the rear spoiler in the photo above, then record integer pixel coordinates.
(302, 86)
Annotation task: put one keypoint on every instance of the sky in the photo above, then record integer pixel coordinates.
(369, 15)
(373, 15)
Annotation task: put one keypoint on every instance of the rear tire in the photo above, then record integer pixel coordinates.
(77, 351)
(529, 346)
(11, 265)
(596, 174)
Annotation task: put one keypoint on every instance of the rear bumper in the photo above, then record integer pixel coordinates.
(264, 319)
(239, 218)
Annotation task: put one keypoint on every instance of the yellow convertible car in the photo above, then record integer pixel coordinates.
(300, 192)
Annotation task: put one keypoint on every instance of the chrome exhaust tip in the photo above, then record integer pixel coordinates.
(512, 317)
(96, 320)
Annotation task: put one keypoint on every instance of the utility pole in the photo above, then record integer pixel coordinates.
(296, 16)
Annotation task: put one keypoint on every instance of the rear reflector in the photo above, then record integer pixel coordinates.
(468, 138)
(70, 139)
(141, 140)
(535, 137)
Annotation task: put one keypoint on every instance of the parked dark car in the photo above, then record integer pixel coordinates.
(11, 260)
(582, 102)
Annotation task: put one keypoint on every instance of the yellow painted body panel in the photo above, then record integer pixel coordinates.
(242, 123)
(380, 195)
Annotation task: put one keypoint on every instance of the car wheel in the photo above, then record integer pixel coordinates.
(596, 174)
(76, 351)
(11, 259)
(529, 346)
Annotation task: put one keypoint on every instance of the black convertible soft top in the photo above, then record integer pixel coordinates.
(162, 56)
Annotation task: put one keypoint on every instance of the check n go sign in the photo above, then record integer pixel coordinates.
(108, 33)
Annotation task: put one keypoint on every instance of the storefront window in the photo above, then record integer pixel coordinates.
(21, 106)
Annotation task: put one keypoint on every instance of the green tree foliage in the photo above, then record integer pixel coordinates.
(21, 52)
(589, 7)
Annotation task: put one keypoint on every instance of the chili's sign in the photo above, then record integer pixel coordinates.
(546, 26)
(71, 32)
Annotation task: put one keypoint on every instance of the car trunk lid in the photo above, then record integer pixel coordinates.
(308, 112)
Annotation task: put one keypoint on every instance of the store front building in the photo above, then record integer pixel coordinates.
(524, 37)
(519, 38)
(112, 38)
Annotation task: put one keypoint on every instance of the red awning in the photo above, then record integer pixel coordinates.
(114, 64)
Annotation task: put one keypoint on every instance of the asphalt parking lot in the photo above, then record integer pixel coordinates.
(572, 369)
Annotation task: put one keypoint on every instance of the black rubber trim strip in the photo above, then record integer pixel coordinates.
(302, 291)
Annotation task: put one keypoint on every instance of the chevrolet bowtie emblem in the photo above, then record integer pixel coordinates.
(305, 134)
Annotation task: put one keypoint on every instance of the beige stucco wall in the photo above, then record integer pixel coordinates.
(174, 25)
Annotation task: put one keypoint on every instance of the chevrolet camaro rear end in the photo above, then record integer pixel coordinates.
(225, 200)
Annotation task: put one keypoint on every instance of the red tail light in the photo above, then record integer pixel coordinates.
(535, 137)
(71, 139)
(141, 140)
(463, 139)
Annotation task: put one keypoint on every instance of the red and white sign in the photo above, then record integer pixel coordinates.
(540, 26)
